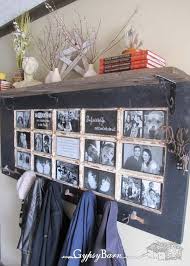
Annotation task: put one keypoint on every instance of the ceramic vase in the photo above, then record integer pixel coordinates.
(53, 76)
(90, 72)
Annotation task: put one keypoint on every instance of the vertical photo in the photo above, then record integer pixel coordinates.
(151, 194)
(23, 160)
(38, 142)
(43, 165)
(47, 143)
(153, 124)
(107, 153)
(143, 158)
(23, 140)
(106, 184)
(67, 172)
(133, 124)
(91, 179)
(23, 119)
(68, 120)
(131, 189)
(92, 151)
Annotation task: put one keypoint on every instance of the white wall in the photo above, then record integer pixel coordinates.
(163, 26)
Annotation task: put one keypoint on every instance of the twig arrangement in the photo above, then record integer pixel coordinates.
(132, 39)
(179, 145)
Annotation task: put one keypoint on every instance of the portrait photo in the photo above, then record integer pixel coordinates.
(106, 184)
(43, 165)
(92, 151)
(43, 143)
(23, 160)
(133, 124)
(107, 153)
(23, 119)
(67, 172)
(38, 142)
(153, 123)
(91, 179)
(43, 120)
(131, 189)
(23, 140)
(143, 158)
(68, 120)
(151, 194)
(47, 143)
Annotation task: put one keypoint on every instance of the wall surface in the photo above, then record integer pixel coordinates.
(163, 27)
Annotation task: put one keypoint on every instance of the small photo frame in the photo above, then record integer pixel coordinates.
(151, 194)
(68, 147)
(67, 172)
(153, 124)
(131, 189)
(143, 158)
(133, 124)
(99, 181)
(101, 122)
(43, 120)
(23, 119)
(23, 139)
(43, 143)
(43, 165)
(23, 160)
(68, 120)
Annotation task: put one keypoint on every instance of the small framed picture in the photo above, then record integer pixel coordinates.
(23, 140)
(67, 172)
(102, 152)
(23, 160)
(43, 143)
(100, 181)
(68, 147)
(43, 120)
(143, 158)
(133, 124)
(43, 165)
(68, 120)
(131, 189)
(101, 122)
(23, 119)
(153, 124)
(151, 194)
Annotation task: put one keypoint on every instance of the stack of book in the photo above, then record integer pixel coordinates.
(133, 60)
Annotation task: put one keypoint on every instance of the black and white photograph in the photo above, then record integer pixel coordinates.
(42, 143)
(131, 189)
(100, 181)
(42, 165)
(23, 140)
(151, 194)
(92, 150)
(43, 120)
(68, 120)
(23, 160)
(107, 153)
(101, 122)
(133, 124)
(153, 123)
(67, 172)
(68, 147)
(23, 119)
(143, 158)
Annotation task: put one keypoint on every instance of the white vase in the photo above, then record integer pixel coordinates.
(53, 76)
(91, 71)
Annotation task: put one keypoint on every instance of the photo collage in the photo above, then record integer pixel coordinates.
(79, 148)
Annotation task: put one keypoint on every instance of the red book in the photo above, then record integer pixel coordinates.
(118, 69)
(144, 62)
(145, 52)
(135, 58)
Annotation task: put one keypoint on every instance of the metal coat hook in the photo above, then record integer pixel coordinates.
(133, 216)
(54, 97)
(170, 92)
(68, 193)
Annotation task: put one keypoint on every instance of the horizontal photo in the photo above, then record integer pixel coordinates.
(43, 120)
(102, 152)
(67, 172)
(23, 140)
(151, 194)
(143, 158)
(43, 165)
(68, 147)
(101, 122)
(131, 189)
(23, 160)
(68, 120)
(23, 119)
(43, 143)
(100, 181)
